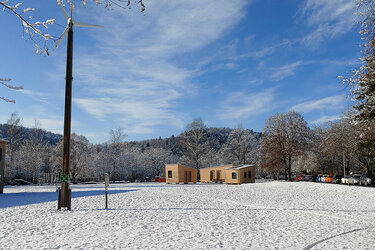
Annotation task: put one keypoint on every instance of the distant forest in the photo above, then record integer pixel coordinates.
(36, 155)
(47, 137)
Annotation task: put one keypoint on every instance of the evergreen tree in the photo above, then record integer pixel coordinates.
(362, 80)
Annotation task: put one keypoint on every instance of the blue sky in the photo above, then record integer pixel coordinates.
(226, 62)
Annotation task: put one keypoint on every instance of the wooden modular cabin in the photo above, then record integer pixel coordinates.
(176, 173)
(230, 174)
(240, 174)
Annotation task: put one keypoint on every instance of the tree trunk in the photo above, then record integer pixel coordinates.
(290, 168)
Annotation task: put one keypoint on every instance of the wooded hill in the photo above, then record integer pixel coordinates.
(24, 134)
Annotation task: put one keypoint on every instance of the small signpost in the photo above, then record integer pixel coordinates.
(2, 164)
(106, 183)
(64, 179)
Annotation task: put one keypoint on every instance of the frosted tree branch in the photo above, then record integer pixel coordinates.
(5, 82)
(30, 28)
(33, 29)
(7, 100)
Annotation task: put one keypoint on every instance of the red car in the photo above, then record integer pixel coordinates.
(299, 177)
(158, 179)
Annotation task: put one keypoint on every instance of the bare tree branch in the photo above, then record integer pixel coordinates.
(5, 82)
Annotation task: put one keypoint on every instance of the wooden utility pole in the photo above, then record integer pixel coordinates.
(65, 192)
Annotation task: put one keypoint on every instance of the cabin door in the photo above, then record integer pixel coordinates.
(212, 173)
(218, 175)
(187, 176)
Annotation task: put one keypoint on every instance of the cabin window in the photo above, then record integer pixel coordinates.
(249, 174)
(169, 173)
(234, 175)
(245, 175)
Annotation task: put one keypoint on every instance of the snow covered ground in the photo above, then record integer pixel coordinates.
(269, 215)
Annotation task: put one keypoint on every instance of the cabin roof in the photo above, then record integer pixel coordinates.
(241, 166)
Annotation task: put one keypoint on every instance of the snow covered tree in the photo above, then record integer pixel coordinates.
(338, 145)
(115, 149)
(285, 137)
(79, 155)
(102, 160)
(32, 154)
(12, 133)
(155, 159)
(47, 166)
(194, 144)
(270, 160)
(366, 145)
(362, 81)
(241, 147)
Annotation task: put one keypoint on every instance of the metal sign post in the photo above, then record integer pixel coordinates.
(106, 183)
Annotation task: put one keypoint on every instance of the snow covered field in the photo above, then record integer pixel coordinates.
(267, 215)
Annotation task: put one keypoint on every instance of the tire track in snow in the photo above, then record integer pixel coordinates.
(334, 236)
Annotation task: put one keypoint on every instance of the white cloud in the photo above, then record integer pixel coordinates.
(281, 72)
(327, 103)
(322, 11)
(231, 65)
(134, 75)
(257, 81)
(327, 19)
(95, 137)
(243, 105)
(265, 51)
(41, 97)
(325, 119)
(137, 116)
(52, 124)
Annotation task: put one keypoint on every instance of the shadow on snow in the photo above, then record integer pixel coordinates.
(27, 198)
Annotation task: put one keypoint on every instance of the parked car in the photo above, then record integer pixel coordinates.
(318, 178)
(344, 179)
(323, 178)
(299, 177)
(308, 178)
(329, 179)
(19, 182)
(313, 177)
(354, 179)
(336, 179)
(367, 180)
(159, 179)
